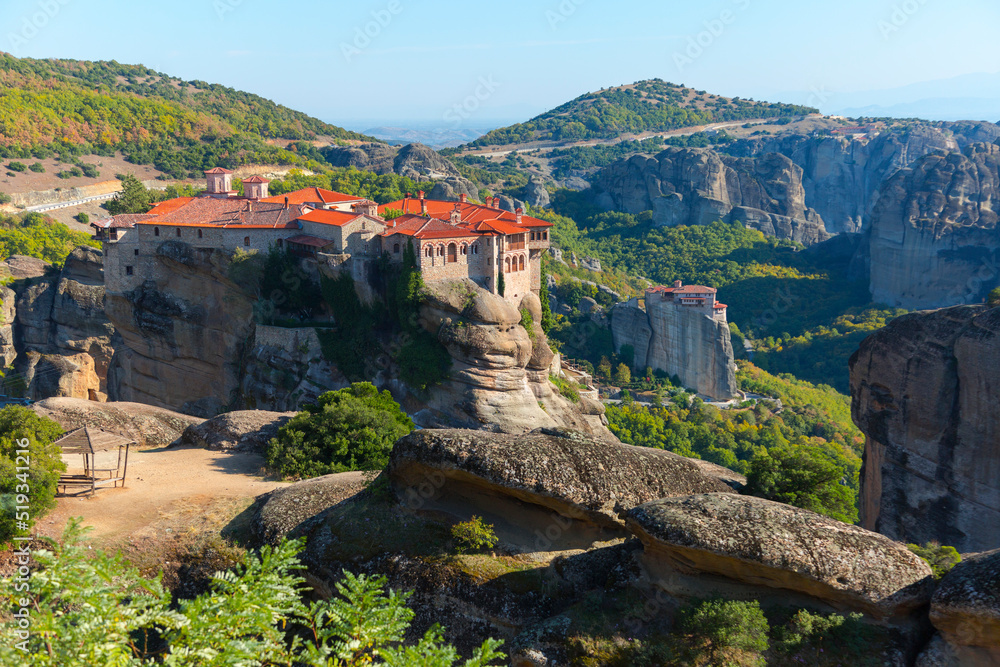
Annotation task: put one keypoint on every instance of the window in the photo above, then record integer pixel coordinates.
(475, 248)
(178, 231)
(440, 251)
(136, 251)
(200, 235)
(128, 270)
(521, 264)
(545, 236)
(532, 236)
(506, 265)
(465, 249)
(452, 253)
(156, 231)
(395, 248)
(430, 252)
(246, 240)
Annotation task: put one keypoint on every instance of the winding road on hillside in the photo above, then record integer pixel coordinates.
(42, 208)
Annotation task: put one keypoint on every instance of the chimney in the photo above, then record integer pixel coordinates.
(463, 197)
(518, 212)
(423, 204)
(286, 202)
(406, 203)
(456, 214)
(421, 194)
(677, 284)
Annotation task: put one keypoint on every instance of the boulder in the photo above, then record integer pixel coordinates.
(149, 426)
(588, 305)
(452, 187)
(242, 430)
(966, 609)
(277, 513)
(535, 194)
(548, 488)
(20, 267)
(764, 543)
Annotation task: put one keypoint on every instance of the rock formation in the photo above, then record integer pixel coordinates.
(499, 378)
(563, 486)
(54, 330)
(416, 161)
(763, 543)
(147, 425)
(933, 239)
(924, 392)
(679, 341)
(279, 512)
(965, 610)
(241, 430)
(696, 186)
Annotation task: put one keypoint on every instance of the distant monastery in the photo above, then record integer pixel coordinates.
(452, 240)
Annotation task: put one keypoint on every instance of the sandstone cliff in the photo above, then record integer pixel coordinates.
(695, 186)
(679, 341)
(933, 239)
(416, 161)
(924, 391)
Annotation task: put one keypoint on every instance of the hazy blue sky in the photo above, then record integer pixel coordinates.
(512, 59)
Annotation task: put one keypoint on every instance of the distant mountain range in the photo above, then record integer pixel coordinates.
(966, 97)
(434, 137)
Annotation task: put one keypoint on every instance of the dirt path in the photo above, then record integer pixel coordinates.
(166, 490)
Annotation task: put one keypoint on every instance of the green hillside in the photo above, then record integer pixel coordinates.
(646, 106)
(74, 108)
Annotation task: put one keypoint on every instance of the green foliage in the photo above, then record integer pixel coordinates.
(349, 429)
(90, 171)
(733, 631)
(82, 218)
(134, 197)
(36, 235)
(501, 285)
(805, 477)
(528, 323)
(548, 319)
(569, 390)
(4, 198)
(22, 429)
(88, 608)
(17, 166)
(382, 188)
(809, 638)
(941, 558)
(286, 288)
(647, 106)
(37, 167)
(473, 535)
(993, 300)
(623, 375)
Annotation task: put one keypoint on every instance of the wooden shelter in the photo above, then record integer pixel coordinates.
(89, 442)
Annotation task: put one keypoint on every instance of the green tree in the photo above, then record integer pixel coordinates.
(993, 300)
(604, 369)
(725, 631)
(22, 429)
(548, 319)
(134, 197)
(4, 198)
(804, 477)
(501, 286)
(349, 429)
(623, 375)
(941, 558)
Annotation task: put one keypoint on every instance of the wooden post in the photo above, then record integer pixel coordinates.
(125, 469)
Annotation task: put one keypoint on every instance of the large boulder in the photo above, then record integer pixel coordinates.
(242, 430)
(546, 488)
(149, 426)
(764, 543)
(279, 512)
(966, 611)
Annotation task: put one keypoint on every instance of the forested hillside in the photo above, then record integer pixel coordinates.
(74, 108)
(646, 106)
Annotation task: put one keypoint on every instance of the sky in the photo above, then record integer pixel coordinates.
(374, 62)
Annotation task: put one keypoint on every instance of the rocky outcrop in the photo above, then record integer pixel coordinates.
(763, 543)
(564, 486)
(63, 340)
(451, 189)
(279, 512)
(680, 341)
(924, 393)
(499, 378)
(696, 186)
(535, 194)
(147, 425)
(240, 430)
(965, 610)
(933, 239)
(185, 330)
(415, 161)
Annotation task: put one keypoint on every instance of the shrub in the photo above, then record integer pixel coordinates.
(89, 608)
(569, 390)
(993, 300)
(37, 167)
(4, 198)
(941, 558)
(82, 218)
(816, 634)
(473, 535)
(90, 171)
(726, 630)
(20, 429)
(17, 166)
(805, 477)
(349, 429)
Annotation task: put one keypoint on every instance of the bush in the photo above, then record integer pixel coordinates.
(4, 198)
(815, 634)
(90, 171)
(941, 558)
(17, 166)
(804, 477)
(348, 429)
(82, 218)
(726, 631)
(37, 167)
(473, 535)
(89, 608)
(569, 390)
(993, 300)
(20, 429)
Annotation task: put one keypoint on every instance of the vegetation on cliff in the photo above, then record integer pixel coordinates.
(348, 429)
(33, 474)
(379, 188)
(36, 235)
(72, 108)
(645, 106)
(88, 608)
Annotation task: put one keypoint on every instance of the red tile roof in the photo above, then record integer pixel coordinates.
(325, 217)
(495, 227)
(693, 289)
(470, 212)
(427, 228)
(313, 195)
(169, 205)
(224, 212)
(121, 221)
(256, 179)
(217, 170)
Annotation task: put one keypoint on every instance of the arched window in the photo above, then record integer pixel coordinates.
(156, 231)
(200, 235)
(506, 265)
(395, 248)
(521, 264)
(465, 249)
(475, 248)
(430, 251)
(452, 253)
(440, 251)
(246, 240)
